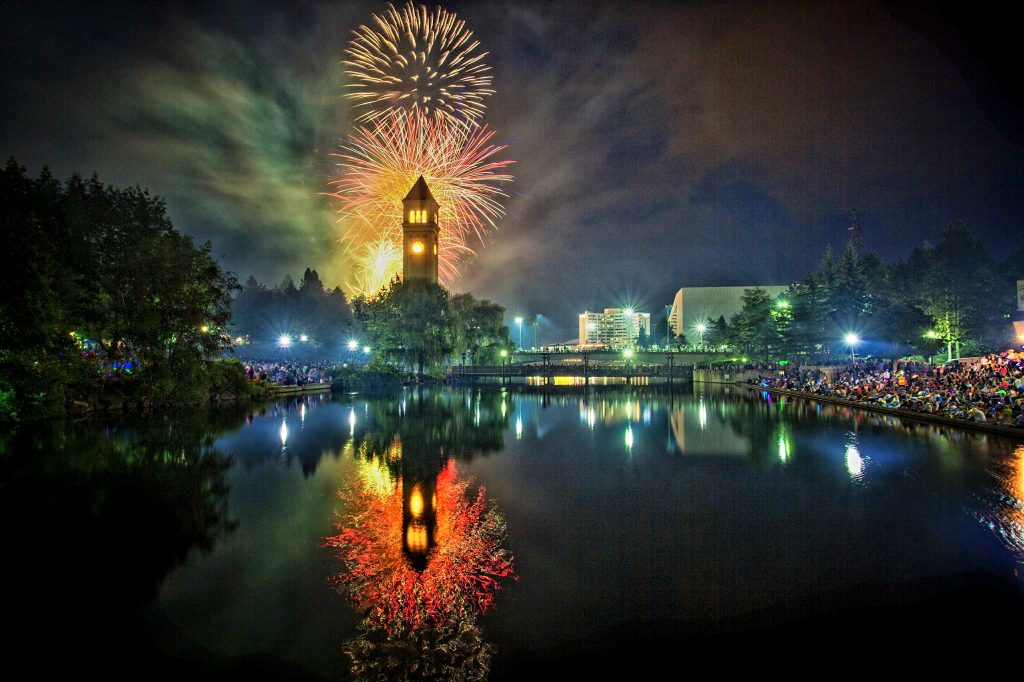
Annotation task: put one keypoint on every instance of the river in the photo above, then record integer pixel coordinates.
(618, 528)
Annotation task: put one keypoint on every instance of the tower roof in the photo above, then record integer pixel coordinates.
(420, 192)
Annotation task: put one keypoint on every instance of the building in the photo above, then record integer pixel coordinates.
(696, 304)
(614, 328)
(419, 233)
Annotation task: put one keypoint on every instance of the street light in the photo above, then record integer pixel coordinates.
(782, 304)
(519, 321)
(353, 345)
(852, 340)
(284, 341)
(303, 338)
(701, 328)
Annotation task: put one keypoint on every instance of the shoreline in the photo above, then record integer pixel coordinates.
(1007, 431)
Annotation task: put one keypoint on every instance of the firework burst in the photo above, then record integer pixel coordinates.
(414, 60)
(380, 162)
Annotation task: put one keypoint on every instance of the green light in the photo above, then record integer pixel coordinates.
(504, 353)
(931, 334)
(782, 304)
(628, 353)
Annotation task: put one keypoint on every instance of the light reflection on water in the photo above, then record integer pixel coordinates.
(624, 507)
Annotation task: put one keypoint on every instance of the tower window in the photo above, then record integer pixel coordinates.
(418, 216)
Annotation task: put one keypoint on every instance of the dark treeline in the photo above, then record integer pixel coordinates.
(261, 315)
(951, 298)
(101, 294)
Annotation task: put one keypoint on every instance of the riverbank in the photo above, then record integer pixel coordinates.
(919, 416)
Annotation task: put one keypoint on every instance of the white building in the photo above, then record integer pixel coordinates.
(614, 328)
(697, 304)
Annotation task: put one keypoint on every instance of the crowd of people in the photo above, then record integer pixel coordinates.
(289, 373)
(988, 389)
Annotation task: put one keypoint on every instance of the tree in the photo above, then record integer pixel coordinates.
(642, 339)
(410, 322)
(479, 328)
(958, 289)
(753, 328)
(89, 263)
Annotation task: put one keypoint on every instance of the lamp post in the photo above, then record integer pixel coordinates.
(519, 321)
(701, 328)
(852, 340)
(504, 354)
(628, 354)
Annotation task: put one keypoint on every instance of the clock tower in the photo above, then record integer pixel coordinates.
(419, 233)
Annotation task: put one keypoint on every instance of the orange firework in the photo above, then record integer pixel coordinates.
(379, 164)
(415, 60)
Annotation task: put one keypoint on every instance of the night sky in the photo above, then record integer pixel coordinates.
(657, 147)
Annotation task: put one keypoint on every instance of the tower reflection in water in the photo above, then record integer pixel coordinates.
(421, 549)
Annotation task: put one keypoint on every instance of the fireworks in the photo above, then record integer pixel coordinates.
(381, 162)
(419, 85)
(415, 60)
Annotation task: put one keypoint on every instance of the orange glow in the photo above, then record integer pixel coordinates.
(417, 247)
(464, 568)
(416, 502)
(416, 538)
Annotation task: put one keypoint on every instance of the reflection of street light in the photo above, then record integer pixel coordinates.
(701, 328)
(519, 321)
(852, 340)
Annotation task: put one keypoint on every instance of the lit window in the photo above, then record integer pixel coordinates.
(417, 247)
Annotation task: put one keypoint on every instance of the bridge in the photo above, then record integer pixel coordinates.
(548, 365)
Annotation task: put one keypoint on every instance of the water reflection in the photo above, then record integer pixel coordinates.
(631, 511)
(1003, 510)
(421, 548)
(854, 460)
(98, 516)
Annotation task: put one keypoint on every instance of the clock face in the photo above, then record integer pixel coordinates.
(417, 246)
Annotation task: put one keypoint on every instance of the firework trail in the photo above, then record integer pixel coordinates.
(414, 60)
(381, 161)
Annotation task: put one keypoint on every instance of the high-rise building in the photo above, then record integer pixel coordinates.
(419, 233)
(614, 328)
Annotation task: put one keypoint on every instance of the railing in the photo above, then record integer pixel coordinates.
(573, 370)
